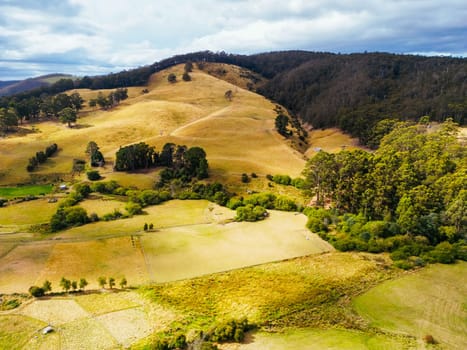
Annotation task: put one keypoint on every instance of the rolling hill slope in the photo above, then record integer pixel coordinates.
(237, 135)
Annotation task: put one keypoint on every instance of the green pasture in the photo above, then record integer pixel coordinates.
(26, 190)
(429, 302)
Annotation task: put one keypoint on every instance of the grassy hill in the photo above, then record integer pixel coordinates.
(237, 135)
(14, 87)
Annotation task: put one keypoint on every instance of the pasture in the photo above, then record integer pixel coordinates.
(27, 190)
(428, 302)
(191, 238)
(330, 140)
(321, 339)
(190, 113)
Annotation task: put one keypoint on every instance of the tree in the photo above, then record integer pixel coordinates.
(111, 282)
(68, 115)
(36, 291)
(93, 175)
(172, 78)
(228, 95)
(76, 101)
(123, 283)
(281, 122)
(102, 281)
(82, 283)
(188, 67)
(47, 286)
(186, 76)
(65, 284)
(8, 119)
(74, 285)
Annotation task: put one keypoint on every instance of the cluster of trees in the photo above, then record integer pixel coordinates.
(253, 208)
(227, 331)
(111, 100)
(95, 156)
(181, 162)
(8, 119)
(413, 187)
(74, 285)
(41, 157)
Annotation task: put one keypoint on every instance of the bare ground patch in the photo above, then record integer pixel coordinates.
(126, 326)
(54, 311)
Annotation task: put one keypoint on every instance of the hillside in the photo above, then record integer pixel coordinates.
(8, 88)
(238, 135)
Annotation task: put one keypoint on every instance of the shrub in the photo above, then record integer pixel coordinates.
(250, 213)
(245, 178)
(429, 339)
(282, 179)
(133, 208)
(36, 291)
(93, 175)
(230, 330)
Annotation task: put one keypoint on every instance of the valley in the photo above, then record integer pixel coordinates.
(197, 266)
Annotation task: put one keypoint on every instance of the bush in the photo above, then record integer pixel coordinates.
(133, 208)
(429, 339)
(36, 291)
(250, 213)
(93, 175)
(282, 179)
(245, 178)
(230, 330)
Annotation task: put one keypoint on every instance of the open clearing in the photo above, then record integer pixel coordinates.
(326, 339)
(330, 140)
(432, 301)
(27, 213)
(189, 251)
(190, 239)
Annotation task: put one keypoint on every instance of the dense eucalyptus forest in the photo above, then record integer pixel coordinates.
(409, 197)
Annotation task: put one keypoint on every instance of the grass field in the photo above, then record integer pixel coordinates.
(326, 339)
(27, 213)
(330, 140)
(22, 191)
(190, 239)
(306, 292)
(432, 301)
(190, 113)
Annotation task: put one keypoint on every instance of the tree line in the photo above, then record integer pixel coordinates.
(409, 195)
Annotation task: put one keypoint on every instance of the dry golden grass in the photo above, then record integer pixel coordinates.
(127, 326)
(86, 334)
(102, 206)
(330, 140)
(20, 268)
(116, 257)
(28, 213)
(98, 304)
(16, 330)
(54, 311)
(190, 251)
(238, 136)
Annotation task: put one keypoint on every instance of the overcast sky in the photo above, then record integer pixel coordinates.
(99, 36)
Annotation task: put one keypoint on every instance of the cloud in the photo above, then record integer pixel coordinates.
(109, 34)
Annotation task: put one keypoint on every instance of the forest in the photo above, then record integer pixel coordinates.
(350, 91)
(407, 198)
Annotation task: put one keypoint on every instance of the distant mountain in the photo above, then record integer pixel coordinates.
(8, 88)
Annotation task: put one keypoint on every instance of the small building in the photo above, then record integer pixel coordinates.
(48, 329)
(63, 187)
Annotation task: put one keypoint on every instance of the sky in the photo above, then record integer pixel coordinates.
(91, 37)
